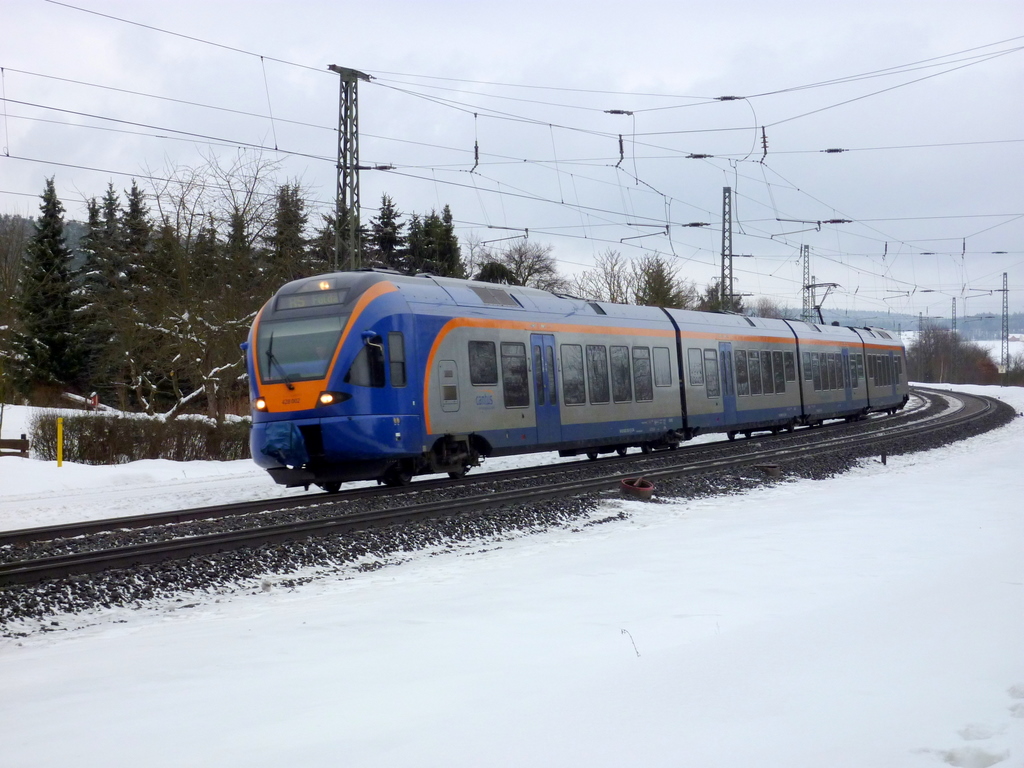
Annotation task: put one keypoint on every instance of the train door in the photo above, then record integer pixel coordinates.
(728, 387)
(545, 388)
(847, 379)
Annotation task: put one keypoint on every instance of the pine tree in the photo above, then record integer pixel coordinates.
(14, 237)
(50, 342)
(320, 251)
(387, 241)
(655, 284)
(287, 242)
(433, 246)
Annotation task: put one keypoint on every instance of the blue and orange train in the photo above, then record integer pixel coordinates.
(376, 375)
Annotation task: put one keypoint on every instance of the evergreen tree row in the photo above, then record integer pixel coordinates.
(149, 310)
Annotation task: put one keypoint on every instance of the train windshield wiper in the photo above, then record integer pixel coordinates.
(272, 361)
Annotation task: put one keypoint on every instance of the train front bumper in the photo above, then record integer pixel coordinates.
(334, 448)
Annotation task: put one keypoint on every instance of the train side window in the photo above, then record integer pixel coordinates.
(642, 384)
(780, 372)
(871, 366)
(368, 368)
(695, 362)
(766, 373)
(854, 381)
(816, 370)
(808, 371)
(573, 385)
(711, 372)
(396, 358)
(483, 363)
(860, 369)
(754, 360)
(597, 372)
(742, 382)
(833, 374)
(662, 367)
(898, 359)
(846, 370)
(790, 366)
(514, 374)
(622, 388)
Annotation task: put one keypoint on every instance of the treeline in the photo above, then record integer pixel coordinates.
(939, 355)
(149, 309)
(145, 304)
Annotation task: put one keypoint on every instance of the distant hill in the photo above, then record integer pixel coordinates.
(973, 327)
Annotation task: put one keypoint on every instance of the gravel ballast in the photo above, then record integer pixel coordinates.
(37, 607)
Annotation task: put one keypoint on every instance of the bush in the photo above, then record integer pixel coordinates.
(105, 439)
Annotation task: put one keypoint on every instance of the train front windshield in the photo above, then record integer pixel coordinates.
(297, 350)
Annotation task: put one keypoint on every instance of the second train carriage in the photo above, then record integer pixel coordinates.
(362, 375)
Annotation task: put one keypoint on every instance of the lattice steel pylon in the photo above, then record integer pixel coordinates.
(1005, 336)
(954, 346)
(808, 312)
(726, 283)
(346, 210)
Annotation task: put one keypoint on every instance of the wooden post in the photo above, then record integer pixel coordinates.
(60, 441)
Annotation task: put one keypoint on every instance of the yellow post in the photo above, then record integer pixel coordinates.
(60, 441)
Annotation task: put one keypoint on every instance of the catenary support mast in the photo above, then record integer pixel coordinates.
(347, 250)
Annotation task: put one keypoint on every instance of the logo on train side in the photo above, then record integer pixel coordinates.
(485, 399)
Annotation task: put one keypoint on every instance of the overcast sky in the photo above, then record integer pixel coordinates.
(925, 96)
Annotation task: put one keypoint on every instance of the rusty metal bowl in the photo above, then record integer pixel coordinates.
(637, 487)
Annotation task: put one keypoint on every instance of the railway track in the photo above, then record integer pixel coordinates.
(36, 555)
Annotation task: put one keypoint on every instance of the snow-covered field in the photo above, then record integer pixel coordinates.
(995, 349)
(874, 619)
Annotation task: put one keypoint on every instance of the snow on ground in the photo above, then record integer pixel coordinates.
(874, 619)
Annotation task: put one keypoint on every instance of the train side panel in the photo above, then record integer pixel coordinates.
(568, 375)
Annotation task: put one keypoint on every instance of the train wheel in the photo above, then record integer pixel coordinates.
(747, 434)
(646, 448)
(458, 474)
(731, 434)
(622, 451)
(592, 456)
(397, 476)
(330, 487)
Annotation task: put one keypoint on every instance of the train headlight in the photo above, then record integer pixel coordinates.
(261, 404)
(332, 398)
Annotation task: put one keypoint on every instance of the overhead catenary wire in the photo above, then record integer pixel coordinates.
(561, 164)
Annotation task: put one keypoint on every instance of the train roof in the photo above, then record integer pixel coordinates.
(436, 290)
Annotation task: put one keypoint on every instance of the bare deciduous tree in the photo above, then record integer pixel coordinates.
(610, 280)
(766, 307)
(531, 263)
